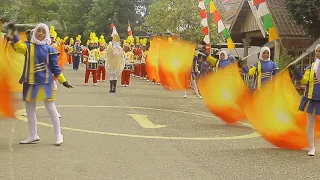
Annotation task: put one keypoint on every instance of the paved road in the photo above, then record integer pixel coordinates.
(142, 132)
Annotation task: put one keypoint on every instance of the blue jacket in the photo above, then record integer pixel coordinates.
(309, 78)
(263, 71)
(41, 61)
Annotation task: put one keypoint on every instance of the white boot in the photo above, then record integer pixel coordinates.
(59, 140)
(185, 94)
(200, 97)
(312, 151)
(32, 123)
(30, 140)
(52, 111)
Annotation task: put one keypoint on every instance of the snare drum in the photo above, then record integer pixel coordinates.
(129, 67)
(102, 62)
(92, 65)
(137, 62)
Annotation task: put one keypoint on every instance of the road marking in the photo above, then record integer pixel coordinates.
(247, 136)
(145, 122)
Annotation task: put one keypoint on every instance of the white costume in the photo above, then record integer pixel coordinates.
(115, 62)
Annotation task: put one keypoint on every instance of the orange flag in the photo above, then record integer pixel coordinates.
(221, 92)
(6, 107)
(152, 60)
(175, 62)
(273, 111)
(16, 61)
(63, 58)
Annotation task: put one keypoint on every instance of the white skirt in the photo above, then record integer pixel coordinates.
(112, 76)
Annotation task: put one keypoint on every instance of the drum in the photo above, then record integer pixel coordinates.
(102, 62)
(129, 67)
(137, 62)
(92, 65)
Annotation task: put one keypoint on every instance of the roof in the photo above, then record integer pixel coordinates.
(283, 20)
(285, 24)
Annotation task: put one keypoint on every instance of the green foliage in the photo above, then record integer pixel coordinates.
(306, 13)
(284, 60)
(79, 16)
(179, 16)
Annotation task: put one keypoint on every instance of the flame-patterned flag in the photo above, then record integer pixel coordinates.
(6, 107)
(221, 92)
(16, 62)
(175, 63)
(63, 58)
(152, 60)
(273, 112)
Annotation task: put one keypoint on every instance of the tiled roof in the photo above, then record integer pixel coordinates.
(284, 22)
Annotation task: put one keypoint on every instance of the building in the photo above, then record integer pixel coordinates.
(246, 28)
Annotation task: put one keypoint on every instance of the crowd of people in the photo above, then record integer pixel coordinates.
(116, 60)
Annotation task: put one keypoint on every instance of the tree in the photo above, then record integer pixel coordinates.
(179, 16)
(307, 14)
(80, 16)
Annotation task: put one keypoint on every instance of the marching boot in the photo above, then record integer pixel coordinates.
(111, 86)
(114, 86)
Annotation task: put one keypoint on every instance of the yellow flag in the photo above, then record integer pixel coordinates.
(212, 7)
(16, 61)
(230, 44)
(273, 34)
(6, 107)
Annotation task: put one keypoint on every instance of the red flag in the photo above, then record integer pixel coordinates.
(203, 13)
(205, 30)
(129, 30)
(257, 2)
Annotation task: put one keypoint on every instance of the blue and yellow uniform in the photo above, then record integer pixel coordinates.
(41, 63)
(218, 63)
(263, 71)
(310, 102)
(194, 69)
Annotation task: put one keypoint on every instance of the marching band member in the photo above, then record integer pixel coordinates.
(138, 57)
(263, 70)
(57, 46)
(69, 50)
(143, 70)
(194, 73)
(115, 63)
(37, 78)
(77, 52)
(223, 60)
(53, 36)
(310, 102)
(129, 58)
(102, 60)
(91, 57)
